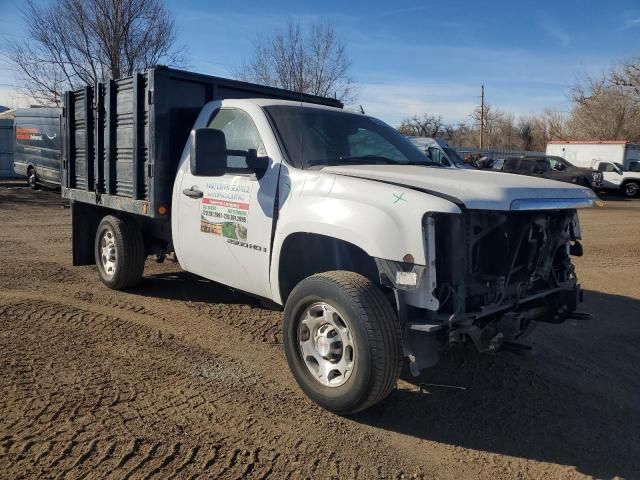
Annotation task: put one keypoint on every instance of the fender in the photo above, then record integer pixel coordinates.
(383, 220)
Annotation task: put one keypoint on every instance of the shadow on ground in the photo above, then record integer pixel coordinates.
(575, 400)
(14, 191)
(189, 287)
(616, 197)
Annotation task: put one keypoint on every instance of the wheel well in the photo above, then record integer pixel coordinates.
(85, 219)
(305, 254)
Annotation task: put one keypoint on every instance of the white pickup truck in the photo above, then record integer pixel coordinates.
(374, 253)
(616, 178)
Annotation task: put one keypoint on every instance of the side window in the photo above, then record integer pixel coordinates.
(525, 166)
(510, 165)
(555, 164)
(368, 143)
(541, 165)
(437, 156)
(606, 167)
(240, 134)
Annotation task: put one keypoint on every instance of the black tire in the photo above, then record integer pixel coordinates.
(631, 189)
(129, 254)
(375, 332)
(32, 179)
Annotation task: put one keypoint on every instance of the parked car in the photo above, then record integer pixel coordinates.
(554, 168)
(374, 253)
(616, 178)
(37, 145)
(439, 151)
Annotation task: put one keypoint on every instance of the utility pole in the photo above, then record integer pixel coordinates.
(482, 118)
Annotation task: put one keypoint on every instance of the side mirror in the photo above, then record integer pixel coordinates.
(256, 163)
(208, 155)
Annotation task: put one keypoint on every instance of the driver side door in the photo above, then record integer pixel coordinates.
(226, 221)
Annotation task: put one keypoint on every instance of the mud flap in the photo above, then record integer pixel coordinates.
(422, 349)
(84, 223)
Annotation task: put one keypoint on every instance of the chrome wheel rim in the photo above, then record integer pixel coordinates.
(326, 345)
(108, 252)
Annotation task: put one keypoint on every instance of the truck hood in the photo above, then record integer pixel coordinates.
(476, 189)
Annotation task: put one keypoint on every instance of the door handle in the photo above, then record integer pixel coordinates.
(193, 192)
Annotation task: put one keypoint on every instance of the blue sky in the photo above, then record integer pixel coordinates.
(415, 57)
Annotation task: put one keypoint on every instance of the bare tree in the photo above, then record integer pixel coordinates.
(492, 120)
(627, 76)
(424, 126)
(555, 125)
(76, 42)
(603, 111)
(525, 131)
(312, 62)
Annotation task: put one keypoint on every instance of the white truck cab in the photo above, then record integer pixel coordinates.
(375, 252)
(616, 178)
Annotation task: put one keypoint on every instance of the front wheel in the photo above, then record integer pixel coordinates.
(119, 252)
(631, 189)
(342, 341)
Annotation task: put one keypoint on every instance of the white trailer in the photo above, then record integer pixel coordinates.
(583, 153)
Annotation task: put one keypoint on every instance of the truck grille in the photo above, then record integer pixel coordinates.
(488, 258)
(596, 179)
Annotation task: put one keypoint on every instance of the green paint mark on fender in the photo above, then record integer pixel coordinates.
(399, 197)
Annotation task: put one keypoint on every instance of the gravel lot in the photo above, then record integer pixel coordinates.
(183, 378)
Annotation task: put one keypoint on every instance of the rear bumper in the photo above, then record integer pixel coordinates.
(20, 168)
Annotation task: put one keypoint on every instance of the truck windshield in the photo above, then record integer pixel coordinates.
(316, 137)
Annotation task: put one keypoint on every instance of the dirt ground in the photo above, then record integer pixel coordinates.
(183, 378)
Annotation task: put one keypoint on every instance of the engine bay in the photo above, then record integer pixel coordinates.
(487, 261)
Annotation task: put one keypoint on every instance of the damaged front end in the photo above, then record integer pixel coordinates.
(491, 275)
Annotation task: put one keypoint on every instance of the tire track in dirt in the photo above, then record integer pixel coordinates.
(191, 413)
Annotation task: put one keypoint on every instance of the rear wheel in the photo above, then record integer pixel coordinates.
(119, 252)
(631, 189)
(342, 341)
(32, 178)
